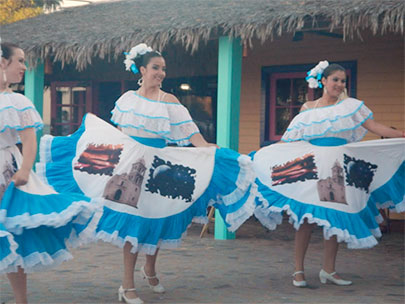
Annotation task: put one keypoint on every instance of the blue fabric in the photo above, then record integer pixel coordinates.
(152, 142)
(4, 247)
(328, 141)
(41, 227)
(43, 239)
(21, 210)
(393, 192)
(64, 148)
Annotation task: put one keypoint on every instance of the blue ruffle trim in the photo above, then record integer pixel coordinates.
(38, 253)
(37, 126)
(306, 137)
(357, 230)
(392, 194)
(7, 249)
(133, 112)
(20, 210)
(337, 117)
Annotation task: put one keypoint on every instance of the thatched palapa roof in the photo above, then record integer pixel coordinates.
(109, 28)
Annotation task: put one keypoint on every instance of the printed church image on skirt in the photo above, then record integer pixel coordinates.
(332, 189)
(126, 188)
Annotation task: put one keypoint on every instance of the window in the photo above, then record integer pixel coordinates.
(70, 101)
(286, 90)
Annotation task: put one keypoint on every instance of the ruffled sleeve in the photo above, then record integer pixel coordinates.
(343, 120)
(17, 112)
(182, 126)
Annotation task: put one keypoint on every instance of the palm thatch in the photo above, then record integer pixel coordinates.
(77, 35)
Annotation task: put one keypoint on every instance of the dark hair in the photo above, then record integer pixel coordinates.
(8, 49)
(144, 59)
(331, 69)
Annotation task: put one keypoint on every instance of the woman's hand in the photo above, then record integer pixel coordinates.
(29, 150)
(21, 177)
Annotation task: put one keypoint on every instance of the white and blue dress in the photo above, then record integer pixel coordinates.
(322, 173)
(36, 223)
(151, 191)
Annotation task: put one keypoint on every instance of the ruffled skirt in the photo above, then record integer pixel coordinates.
(37, 223)
(340, 188)
(150, 195)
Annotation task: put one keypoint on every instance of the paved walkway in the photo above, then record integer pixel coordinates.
(254, 268)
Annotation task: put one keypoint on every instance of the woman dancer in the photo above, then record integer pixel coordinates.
(35, 221)
(307, 180)
(152, 67)
(176, 185)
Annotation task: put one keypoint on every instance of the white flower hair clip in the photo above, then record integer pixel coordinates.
(315, 75)
(137, 50)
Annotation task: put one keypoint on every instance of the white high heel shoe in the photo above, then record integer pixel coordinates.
(123, 298)
(299, 283)
(156, 288)
(324, 277)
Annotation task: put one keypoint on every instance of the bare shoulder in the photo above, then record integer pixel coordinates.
(167, 97)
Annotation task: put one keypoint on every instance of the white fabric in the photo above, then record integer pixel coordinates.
(342, 120)
(307, 191)
(139, 116)
(35, 185)
(150, 205)
(16, 113)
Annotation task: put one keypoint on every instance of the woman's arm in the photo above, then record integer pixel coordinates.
(381, 129)
(29, 152)
(198, 141)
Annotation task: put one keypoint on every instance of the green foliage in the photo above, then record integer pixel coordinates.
(12, 10)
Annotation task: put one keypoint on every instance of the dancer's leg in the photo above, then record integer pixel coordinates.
(330, 249)
(18, 281)
(302, 238)
(129, 267)
(150, 268)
